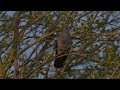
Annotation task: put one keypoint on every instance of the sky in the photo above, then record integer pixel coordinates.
(29, 50)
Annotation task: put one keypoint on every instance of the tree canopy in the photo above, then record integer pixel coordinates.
(28, 38)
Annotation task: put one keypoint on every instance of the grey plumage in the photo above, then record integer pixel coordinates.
(64, 42)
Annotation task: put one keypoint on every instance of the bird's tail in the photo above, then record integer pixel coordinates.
(59, 62)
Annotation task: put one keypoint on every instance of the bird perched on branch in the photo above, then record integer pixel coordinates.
(63, 46)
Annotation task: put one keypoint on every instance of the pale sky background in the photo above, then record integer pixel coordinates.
(80, 66)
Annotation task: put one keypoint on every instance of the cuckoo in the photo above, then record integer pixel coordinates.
(63, 45)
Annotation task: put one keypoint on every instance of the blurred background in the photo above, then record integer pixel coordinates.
(28, 38)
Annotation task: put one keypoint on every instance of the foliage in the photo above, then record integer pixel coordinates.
(27, 44)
